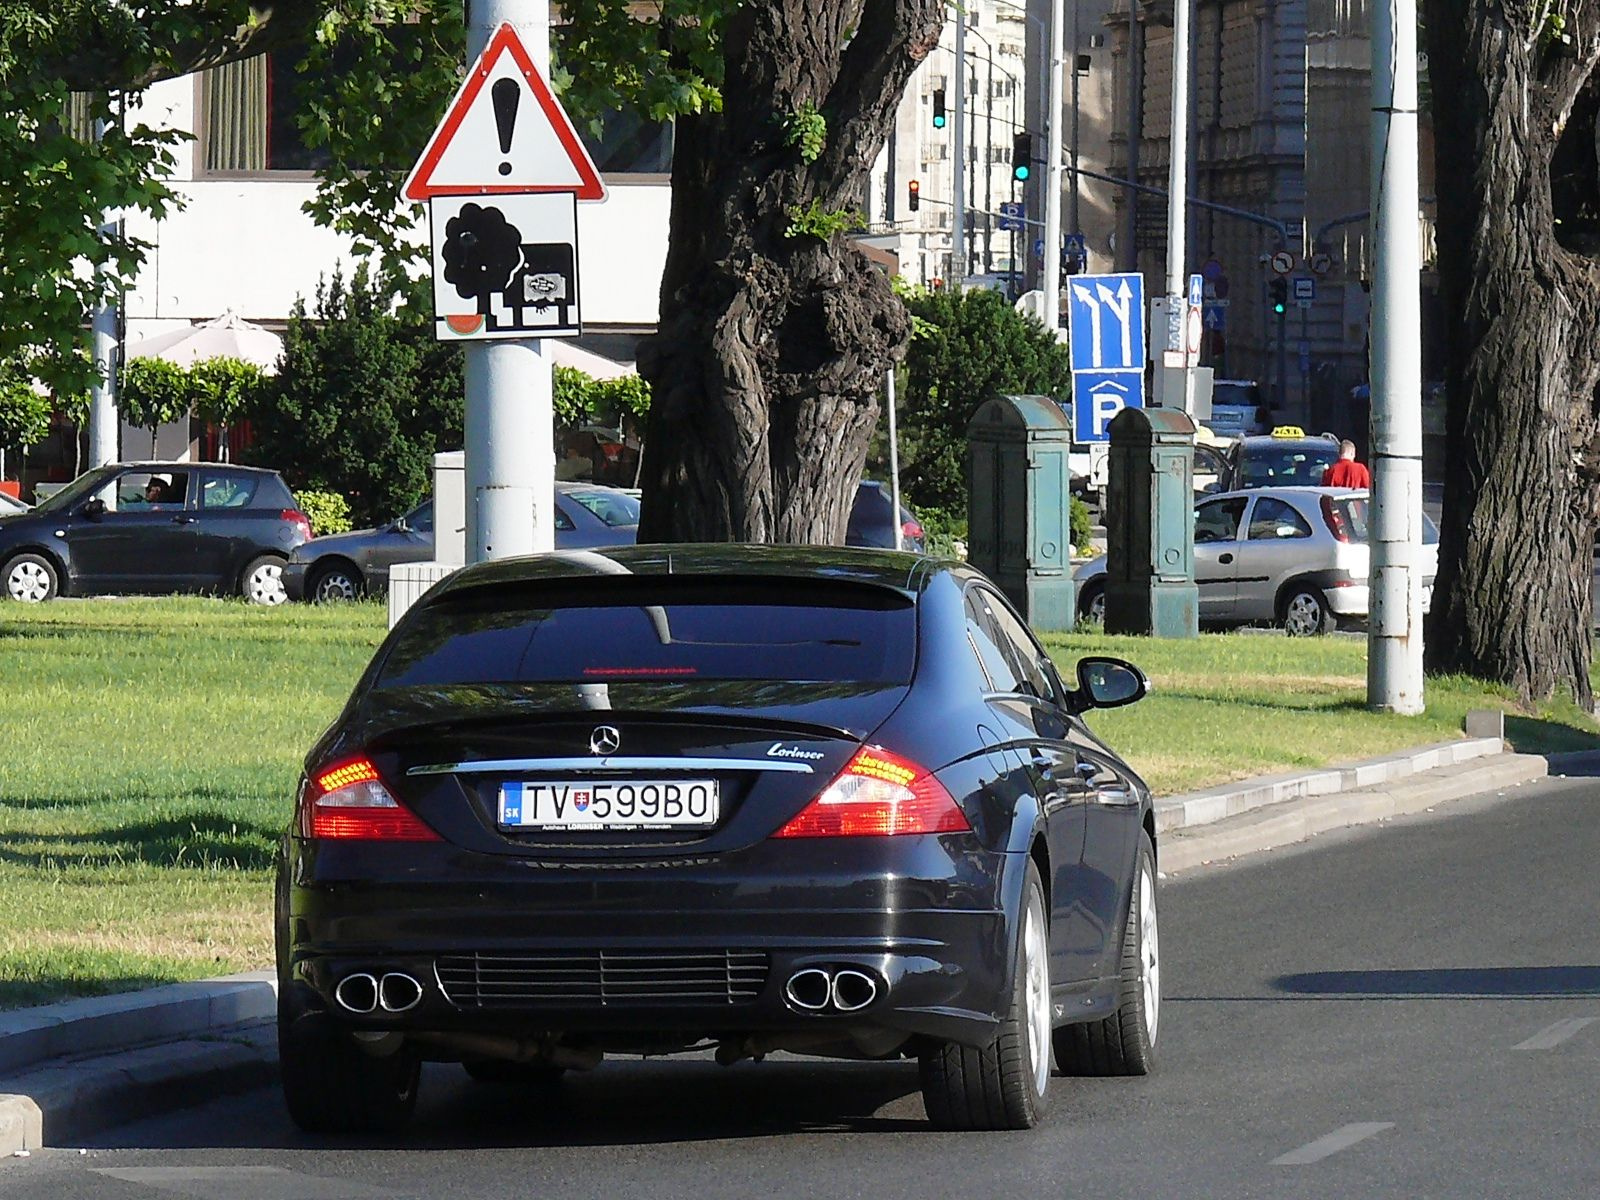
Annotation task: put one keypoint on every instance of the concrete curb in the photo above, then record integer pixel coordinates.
(1294, 821)
(69, 1069)
(85, 1064)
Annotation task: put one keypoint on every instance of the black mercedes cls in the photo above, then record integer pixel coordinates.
(659, 799)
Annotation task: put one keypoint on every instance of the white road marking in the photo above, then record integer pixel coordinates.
(244, 1183)
(1549, 1039)
(1340, 1139)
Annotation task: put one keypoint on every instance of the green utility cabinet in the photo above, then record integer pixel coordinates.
(1019, 520)
(1150, 587)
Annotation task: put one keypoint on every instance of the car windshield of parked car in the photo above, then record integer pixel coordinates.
(1353, 510)
(73, 494)
(623, 629)
(1291, 464)
(614, 508)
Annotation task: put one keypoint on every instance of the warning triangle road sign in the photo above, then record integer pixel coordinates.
(504, 132)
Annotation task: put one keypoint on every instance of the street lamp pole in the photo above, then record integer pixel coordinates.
(1394, 628)
(958, 186)
(1173, 380)
(1052, 178)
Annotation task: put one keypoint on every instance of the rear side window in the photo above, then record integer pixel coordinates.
(657, 629)
(1273, 519)
(1354, 510)
(228, 491)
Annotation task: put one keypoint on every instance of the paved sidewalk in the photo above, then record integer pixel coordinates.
(67, 1070)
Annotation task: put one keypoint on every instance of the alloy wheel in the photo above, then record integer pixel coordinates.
(1036, 962)
(1303, 615)
(1149, 953)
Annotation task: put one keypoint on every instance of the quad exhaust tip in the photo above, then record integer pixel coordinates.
(822, 989)
(363, 992)
(357, 993)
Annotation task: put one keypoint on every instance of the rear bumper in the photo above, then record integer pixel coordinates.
(597, 954)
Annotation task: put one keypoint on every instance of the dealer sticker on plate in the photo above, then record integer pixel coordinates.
(609, 804)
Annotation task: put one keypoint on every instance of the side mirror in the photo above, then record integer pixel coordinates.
(94, 509)
(1108, 683)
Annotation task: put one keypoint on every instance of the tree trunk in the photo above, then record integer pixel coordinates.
(1522, 296)
(773, 344)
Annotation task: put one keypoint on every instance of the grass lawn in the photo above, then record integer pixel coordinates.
(151, 746)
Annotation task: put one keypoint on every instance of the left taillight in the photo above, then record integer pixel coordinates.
(295, 517)
(348, 801)
(879, 794)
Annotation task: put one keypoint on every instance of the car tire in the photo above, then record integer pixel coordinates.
(1125, 1042)
(521, 1074)
(1305, 613)
(332, 1085)
(262, 581)
(336, 583)
(1003, 1085)
(29, 578)
(1092, 604)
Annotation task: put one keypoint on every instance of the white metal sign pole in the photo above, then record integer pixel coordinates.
(103, 423)
(510, 447)
(1394, 637)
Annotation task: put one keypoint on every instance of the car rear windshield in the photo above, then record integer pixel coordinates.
(631, 629)
(1291, 464)
(1354, 510)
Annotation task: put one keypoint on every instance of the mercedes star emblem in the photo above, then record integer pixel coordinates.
(604, 740)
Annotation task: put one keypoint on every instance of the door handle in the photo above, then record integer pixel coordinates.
(1225, 558)
(183, 520)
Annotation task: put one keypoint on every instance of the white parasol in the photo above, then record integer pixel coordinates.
(227, 336)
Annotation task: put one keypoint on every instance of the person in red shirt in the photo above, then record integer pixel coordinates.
(1347, 472)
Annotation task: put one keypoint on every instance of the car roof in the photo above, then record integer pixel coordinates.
(153, 465)
(1288, 490)
(903, 572)
(1269, 439)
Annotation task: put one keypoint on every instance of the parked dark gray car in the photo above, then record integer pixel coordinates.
(345, 566)
(155, 527)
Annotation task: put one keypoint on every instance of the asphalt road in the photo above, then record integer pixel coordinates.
(1407, 1011)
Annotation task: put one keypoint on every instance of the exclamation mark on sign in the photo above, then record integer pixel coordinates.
(505, 95)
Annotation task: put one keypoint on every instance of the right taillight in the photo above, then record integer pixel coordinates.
(878, 794)
(348, 801)
(1335, 519)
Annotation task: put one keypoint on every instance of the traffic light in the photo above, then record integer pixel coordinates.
(1278, 295)
(913, 195)
(938, 108)
(1021, 156)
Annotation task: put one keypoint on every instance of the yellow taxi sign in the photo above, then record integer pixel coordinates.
(1288, 431)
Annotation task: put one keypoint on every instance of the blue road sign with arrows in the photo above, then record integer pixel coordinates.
(1107, 320)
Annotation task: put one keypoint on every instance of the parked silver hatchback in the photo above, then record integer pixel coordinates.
(1291, 556)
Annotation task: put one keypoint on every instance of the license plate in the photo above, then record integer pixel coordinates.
(609, 804)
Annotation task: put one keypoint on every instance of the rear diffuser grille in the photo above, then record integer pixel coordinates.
(612, 978)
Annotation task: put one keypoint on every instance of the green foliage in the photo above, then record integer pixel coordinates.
(1082, 527)
(24, 414)
(57, 188)
(363, 399)
(971, 346)
(221, 388)
(944, 531)
(152, 393)
(329, 512)
(823, 223)
(806, 129)
(581, 399)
